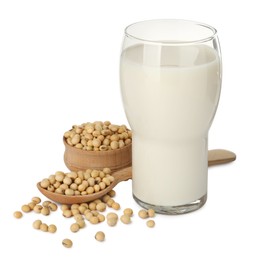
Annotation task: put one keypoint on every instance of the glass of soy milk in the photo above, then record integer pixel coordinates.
(170, 77)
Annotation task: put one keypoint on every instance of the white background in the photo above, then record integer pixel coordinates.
(59, 66)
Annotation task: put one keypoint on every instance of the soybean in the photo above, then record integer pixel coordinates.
(115, 205)
(67, 213)
(53, 207)
(45, 211)
(112, 215)
(74, 227)
(25, 208)
(94, 220)
(101, 217)
(67, 243)
(81, 223)
(128, 211)
(38, 208)
(111, 222)
(112, 219)
(101, 206)
(37, 224)
(150, 223)
(125, 219)
(52, 228)
(31, 205)
(36, 200)
(143, 213)
(17, 214)
(100, 236)
(44, 227)
(151, 213)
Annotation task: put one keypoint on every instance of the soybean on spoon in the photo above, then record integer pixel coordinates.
(215, 157)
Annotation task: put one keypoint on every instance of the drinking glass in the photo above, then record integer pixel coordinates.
(170, 78)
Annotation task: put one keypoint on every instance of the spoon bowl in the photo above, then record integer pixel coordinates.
(215, 157)
(121, 175)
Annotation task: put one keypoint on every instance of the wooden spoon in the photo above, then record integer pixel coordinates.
(215, 157)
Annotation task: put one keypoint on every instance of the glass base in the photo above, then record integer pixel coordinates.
(174, 210)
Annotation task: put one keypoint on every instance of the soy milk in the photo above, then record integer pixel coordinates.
(170, 95)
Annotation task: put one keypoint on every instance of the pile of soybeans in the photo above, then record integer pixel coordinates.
(105, 209)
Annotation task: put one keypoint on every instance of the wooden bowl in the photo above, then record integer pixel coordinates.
(77, 159)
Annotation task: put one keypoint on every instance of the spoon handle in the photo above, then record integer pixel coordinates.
(123, 174)
(220, 156)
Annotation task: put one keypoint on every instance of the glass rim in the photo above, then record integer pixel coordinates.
(172, 42)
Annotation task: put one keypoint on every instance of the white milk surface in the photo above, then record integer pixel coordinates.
(170, 95)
